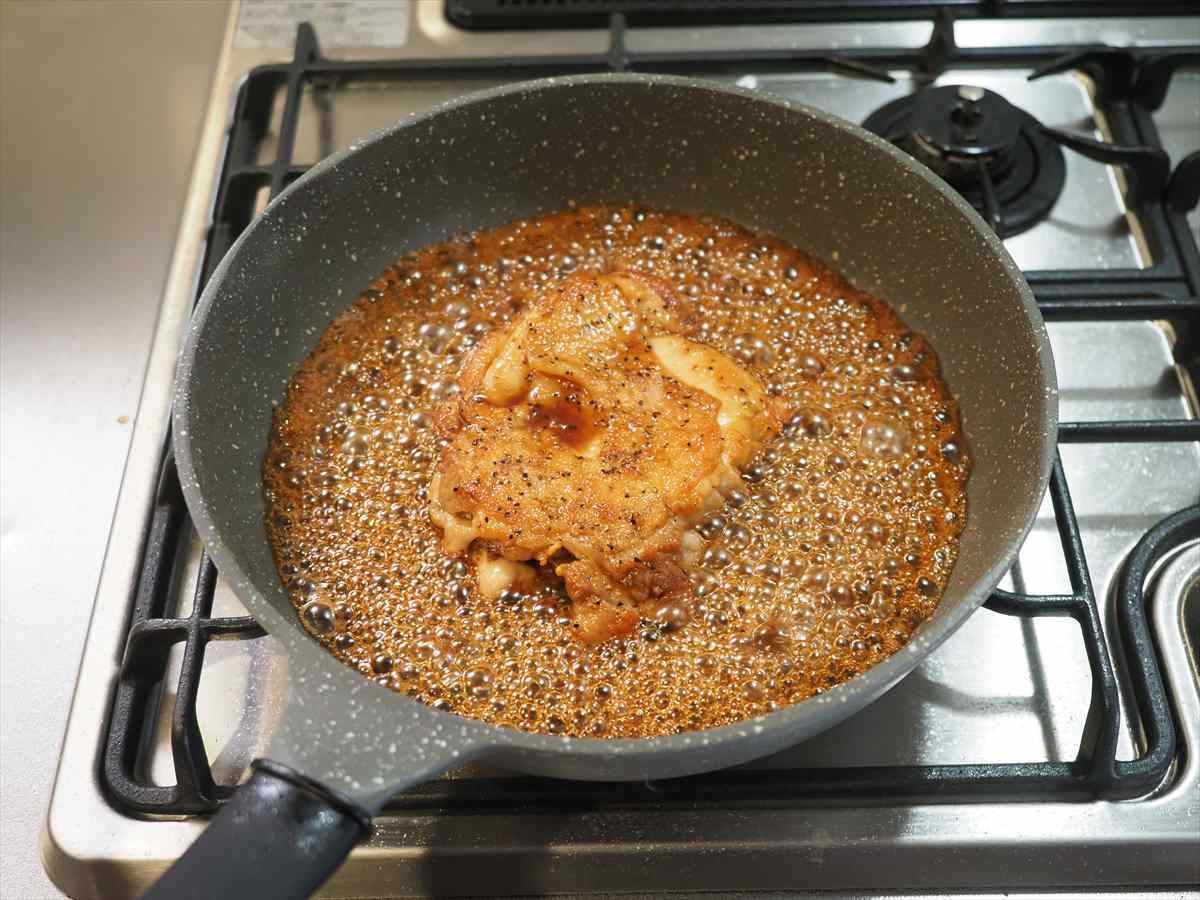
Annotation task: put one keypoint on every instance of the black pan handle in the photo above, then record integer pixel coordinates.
(281, 835)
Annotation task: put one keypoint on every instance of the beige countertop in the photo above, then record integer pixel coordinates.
(101, 106)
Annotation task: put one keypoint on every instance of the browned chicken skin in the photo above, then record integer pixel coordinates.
(589, 436)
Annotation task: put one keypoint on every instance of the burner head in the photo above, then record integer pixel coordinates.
(955, 129)
(962, 122)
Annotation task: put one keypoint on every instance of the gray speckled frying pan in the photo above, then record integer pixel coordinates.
(345, 744)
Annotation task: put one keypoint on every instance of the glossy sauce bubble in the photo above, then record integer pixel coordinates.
(884, 438)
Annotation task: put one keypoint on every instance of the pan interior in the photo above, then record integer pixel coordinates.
(832, 190)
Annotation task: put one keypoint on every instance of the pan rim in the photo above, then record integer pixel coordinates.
(482, 736)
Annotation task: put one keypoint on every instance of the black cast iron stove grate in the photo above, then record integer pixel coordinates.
(487, 15)
(1167, 291)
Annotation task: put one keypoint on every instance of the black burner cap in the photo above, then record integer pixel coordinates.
(962, 132)
(965, 121)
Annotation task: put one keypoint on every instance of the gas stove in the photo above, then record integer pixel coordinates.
(1051, 745)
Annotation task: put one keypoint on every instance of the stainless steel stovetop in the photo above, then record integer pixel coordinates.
(1001, 690)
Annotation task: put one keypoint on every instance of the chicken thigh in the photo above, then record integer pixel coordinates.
(589, 437)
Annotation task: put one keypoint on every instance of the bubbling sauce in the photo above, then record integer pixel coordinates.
(836, 550)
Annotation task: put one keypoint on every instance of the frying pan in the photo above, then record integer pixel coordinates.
(344, 744)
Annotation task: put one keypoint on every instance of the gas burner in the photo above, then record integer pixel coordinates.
(994, 154)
